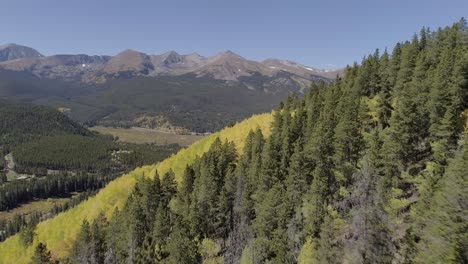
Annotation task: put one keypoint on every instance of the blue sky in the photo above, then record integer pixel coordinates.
(323, 34)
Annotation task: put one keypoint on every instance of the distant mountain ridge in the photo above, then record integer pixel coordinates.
(189, 92)
(227, 66)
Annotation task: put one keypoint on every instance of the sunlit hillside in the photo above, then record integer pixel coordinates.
(59, 232)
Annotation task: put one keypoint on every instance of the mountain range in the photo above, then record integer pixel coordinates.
(184, 92)
(227, 66)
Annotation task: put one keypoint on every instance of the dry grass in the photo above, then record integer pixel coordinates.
(43, 205)
(143, 135)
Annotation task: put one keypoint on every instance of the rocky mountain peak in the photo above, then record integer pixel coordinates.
(172, 57)
(14, 51)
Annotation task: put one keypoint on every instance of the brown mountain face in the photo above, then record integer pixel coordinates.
(129, 61)
(172, 63)
(230, 66)
(227, 66)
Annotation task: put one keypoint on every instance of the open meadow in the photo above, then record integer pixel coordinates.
(143, 135)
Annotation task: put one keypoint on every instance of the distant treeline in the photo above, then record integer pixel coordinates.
(19, 222)
(91, 154)
(16, 192)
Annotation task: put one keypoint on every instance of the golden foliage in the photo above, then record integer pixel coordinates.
(59, 233)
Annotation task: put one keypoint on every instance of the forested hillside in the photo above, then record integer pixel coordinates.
(59, 233)
(44, 154)
(189, 102)
(368, 169)
(21, 122)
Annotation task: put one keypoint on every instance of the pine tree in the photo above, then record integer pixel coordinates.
(137, 222)
(270, 223)
(370, 222)
(181, 247)
(245, 184)
(298, 178)
(98, 235)
(319, 153)
(27, 233)
(225, 210)
(439, 97)
(409, 53)
(41, 255)
(168, 187)
(186, 189)
(271, 157)
(161, 231)
(347, 141)
(313, 104)
(394, 66)
(83, 249)
(117, 237)
(404, 142)
(447, 127)
(329, 246)
(385, 97)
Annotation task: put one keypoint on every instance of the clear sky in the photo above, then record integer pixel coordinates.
(323, 34)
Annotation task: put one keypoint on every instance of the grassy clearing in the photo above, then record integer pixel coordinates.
(59, 232)
(143, 135)
(43, 205)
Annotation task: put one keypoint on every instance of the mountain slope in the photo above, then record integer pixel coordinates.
(13, 51)
(199, 104)
(60, 232)
(22, 121)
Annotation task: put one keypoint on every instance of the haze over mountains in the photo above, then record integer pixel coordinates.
(189, 92)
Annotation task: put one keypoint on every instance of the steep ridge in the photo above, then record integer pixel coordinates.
(60, 232)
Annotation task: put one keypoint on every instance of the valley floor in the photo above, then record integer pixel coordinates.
(143, 135)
